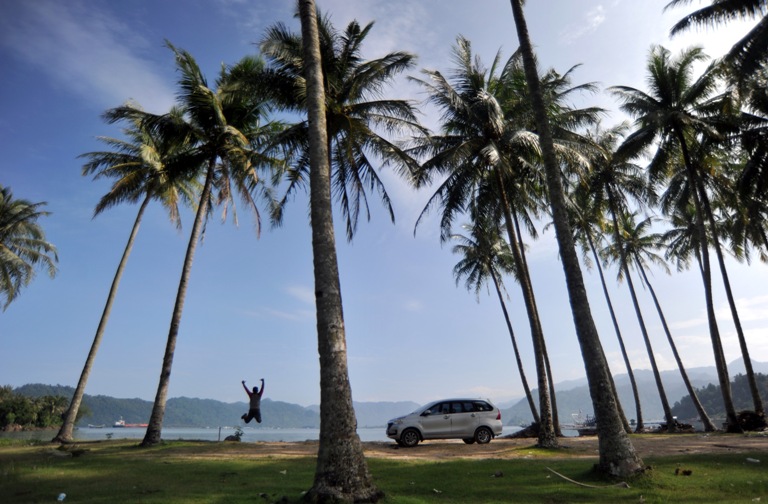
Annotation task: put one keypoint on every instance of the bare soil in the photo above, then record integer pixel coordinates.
(647, 445)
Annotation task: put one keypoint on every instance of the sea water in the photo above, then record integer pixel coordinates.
(250, 434)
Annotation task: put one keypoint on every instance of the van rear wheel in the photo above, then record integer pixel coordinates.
(483, 435)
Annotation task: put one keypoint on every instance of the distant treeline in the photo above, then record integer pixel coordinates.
(712, 399)
(41, 411)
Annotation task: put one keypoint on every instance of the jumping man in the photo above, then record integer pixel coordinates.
(254, 410)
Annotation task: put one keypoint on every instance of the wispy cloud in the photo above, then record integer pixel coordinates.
(85, 50)
(750, 309)
(588, 24)
(414, 305)
(302, 293)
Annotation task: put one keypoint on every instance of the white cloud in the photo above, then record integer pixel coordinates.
(589, 23)
(749, 309)
(87, 51)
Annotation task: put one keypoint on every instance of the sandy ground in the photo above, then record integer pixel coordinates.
(504, 448)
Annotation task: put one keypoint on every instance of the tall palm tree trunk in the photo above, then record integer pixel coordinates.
(643, 330)
(753, 388)
(528, 394)
(341, 472)
(547, 437)
(651, 356)
(154, 428)
(703, 416)
(65, 432)
(617, 455)
(639, 426)
(550, 379)
(721, 365)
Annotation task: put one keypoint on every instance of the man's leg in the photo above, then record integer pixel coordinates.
(257, 415)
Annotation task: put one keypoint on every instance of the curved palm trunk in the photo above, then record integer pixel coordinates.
(65, 432)
(640, 425)
(617, 455)
(550, 379)
(753, 388)
(547, 436)
(706, 274)
(341, 473)
(649, 348)
(705, 420)
(154, 428)
(552, 395)
(643, 330)
(528, 394)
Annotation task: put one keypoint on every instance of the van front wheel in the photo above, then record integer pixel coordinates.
(410, 438)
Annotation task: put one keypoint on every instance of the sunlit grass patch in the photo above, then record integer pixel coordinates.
(209, 472)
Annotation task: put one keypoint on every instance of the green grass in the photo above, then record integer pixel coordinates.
(209, 472)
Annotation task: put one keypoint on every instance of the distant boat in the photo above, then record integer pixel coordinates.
(91, 426)
(121, 423)
(585, 425)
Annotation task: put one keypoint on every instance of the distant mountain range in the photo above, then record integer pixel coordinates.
(193, 412)
(572, 397)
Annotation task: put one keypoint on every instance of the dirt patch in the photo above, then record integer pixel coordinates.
(647, 445)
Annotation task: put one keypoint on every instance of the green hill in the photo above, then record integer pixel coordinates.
(193, 412)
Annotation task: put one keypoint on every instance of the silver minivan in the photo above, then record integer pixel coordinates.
(472, 420)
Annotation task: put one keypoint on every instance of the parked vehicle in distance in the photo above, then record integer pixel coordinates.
(471, 420)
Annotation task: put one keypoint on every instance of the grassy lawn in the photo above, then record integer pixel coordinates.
(210, 472)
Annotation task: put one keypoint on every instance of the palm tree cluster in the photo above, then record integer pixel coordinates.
(511, 153)
(701, 136)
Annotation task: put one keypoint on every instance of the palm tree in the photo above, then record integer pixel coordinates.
(23, 247)
(621, 224)
(639, 249)
(750, 209)
(341, 472)
(485, 256)
(589, 227)
(473, 156)
(609, 186)
(138, 163)
(617, 455)
(220, 128)
(709, 160)
(749, 53)
(355, 113)
(677, 110)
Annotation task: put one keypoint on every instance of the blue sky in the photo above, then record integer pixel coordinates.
(412, 334)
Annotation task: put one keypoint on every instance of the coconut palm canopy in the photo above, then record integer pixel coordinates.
(250, 303)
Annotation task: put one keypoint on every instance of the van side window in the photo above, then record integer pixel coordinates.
(482, 406)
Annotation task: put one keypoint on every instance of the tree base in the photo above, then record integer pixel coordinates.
(751, 421)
